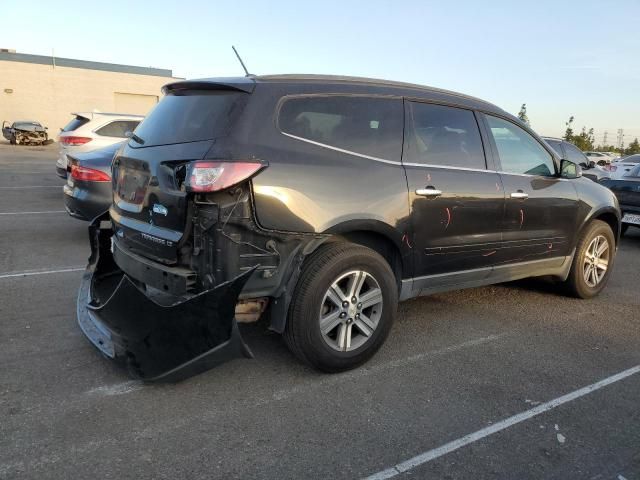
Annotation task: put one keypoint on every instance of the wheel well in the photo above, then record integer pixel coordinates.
(612, 221)
(380, 244)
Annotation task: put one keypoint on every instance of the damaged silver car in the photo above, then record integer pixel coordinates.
(25, 132)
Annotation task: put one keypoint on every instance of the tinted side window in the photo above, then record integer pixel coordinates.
(439, 135)
(519, 152)
(574, 155)
(119, 128)
(367, 125)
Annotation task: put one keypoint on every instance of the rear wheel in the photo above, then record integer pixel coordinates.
(343, 307)
(593, 261)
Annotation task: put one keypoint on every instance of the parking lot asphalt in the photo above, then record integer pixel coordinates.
(455, 365)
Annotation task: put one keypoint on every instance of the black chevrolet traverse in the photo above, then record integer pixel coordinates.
(321, 202)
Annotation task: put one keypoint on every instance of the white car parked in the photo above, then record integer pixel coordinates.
(623, 166)
(600, 157)
(89, 131)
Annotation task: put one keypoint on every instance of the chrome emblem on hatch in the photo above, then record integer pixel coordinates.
(160, 209)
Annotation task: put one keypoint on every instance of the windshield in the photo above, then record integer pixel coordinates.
(188, 117)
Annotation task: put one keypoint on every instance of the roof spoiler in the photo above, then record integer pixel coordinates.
(240, 84)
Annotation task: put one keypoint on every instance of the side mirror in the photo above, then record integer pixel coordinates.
(46, 128)
(569, 169)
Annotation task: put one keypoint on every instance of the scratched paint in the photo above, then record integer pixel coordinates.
(521, 217)
(448, 210)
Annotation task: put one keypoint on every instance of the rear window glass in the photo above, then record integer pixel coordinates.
(119, 128)
(574, 155)
(366, 125)
(556, 145)
(74, 124)
(26, 125)
(443, 136)
(188, 117)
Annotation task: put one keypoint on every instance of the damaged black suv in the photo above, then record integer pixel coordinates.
(320, 202)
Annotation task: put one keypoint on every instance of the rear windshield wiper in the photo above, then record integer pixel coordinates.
(137, 139)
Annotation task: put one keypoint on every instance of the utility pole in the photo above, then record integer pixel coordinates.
(620, 138)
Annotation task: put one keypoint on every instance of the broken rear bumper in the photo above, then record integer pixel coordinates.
(156, 340)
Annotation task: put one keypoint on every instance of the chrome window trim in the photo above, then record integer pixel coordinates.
(420, 165)
(348, 152)
(390, 162)
(465, 169)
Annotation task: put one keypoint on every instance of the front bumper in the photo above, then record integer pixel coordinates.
(155, 340)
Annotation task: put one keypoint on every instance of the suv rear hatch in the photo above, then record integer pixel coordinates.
(151, 204)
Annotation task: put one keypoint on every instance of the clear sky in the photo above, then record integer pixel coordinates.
(561, 58)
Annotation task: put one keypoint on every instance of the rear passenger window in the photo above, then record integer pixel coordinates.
(118, 128)
(369, 126)
(444, 136)
(519, 152)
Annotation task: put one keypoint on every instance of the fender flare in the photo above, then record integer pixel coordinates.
(594, 214)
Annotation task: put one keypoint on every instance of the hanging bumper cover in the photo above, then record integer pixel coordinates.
(156, 340)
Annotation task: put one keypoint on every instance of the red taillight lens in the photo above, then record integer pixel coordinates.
(74, 140)
(89, 174)
(215, 176)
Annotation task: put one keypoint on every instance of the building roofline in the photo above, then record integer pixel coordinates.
(88, 65)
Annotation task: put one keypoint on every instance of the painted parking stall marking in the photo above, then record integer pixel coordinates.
(31, 273)
(33, 213)
(454, 445)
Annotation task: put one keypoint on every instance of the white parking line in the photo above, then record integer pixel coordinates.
(31, 186)
(33, 213)
(40, 272)
(497, 427)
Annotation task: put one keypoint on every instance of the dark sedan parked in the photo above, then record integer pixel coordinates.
(87, 192)
(627, 189)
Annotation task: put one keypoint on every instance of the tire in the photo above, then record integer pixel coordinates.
(341, 263)
(579, 284)
(623, 229)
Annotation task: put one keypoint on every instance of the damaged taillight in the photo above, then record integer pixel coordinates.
(215, 176)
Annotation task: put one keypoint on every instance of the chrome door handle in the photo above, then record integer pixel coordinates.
(428, 192)
(520, 195)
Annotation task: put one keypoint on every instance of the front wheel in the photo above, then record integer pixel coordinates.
(343, 307)
(593, 260)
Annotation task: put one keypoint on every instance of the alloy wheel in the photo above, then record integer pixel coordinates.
(596, 261)
(350, 311)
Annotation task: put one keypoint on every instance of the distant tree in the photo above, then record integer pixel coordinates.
(522, 114)
(584, 141)
(634, 147)
(568, 134)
